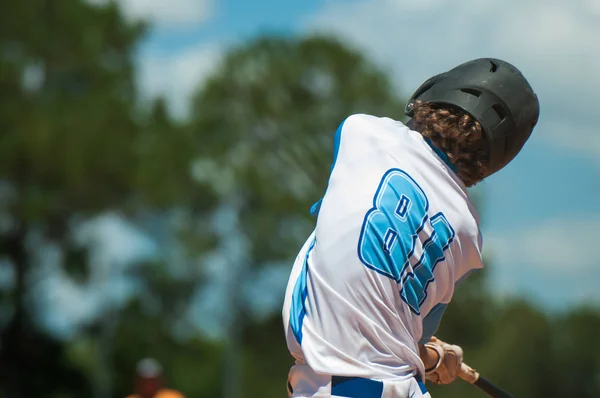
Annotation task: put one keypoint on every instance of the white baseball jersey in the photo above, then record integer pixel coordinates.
(395, 232)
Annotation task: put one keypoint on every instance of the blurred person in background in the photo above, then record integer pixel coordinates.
(150, 382)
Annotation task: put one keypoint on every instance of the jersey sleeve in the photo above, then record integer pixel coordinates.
(432, 320)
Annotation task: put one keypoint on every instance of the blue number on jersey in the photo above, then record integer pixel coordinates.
(390, 233)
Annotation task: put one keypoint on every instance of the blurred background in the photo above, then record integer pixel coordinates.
(158, 160)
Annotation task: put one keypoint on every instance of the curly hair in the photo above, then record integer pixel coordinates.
(458, 135)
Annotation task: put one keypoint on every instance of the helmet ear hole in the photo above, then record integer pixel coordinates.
(499, 111)
(471, 91)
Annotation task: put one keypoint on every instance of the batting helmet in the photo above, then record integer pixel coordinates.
(493, 92)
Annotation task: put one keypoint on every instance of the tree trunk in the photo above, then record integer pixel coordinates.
(12, 338)
(234, 351)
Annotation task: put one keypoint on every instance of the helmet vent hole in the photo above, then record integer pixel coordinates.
(471, 91)
(500, 111)
(493, 67)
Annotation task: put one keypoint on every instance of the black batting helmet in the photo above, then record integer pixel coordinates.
(493, 92)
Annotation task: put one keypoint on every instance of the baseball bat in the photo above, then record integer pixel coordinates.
(471, 376)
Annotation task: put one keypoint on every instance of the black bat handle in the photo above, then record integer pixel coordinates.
(491, 389)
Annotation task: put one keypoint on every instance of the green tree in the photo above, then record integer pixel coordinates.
(577, 357)
(267, 119)
(265, 122)
(72, 146)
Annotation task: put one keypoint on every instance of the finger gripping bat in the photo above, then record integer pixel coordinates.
(471, 376)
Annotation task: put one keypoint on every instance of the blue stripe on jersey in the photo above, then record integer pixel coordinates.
(337, 139)
(298, 310)
(441, 154)
(356, 387)
(314, 209)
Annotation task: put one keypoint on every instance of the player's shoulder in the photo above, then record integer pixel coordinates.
(362, 130)
(363, 119)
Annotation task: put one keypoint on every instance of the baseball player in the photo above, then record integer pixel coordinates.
(396, 233)
(150, 382)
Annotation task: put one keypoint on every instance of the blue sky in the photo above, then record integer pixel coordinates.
(541, 214)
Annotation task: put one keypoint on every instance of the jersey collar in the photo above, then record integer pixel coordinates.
(441, 154)
(411, 125)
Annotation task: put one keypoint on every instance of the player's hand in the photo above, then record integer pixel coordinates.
(448, 366)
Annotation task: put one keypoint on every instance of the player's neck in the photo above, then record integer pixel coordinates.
(411, 125)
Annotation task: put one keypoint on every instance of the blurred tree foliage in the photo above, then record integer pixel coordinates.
(265, 123)
(74, 144)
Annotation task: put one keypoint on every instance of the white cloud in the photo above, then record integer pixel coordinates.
(177, 75)
(174, 74)
(555, 261)
(553, 43)
(65, 304)
(266, 289)
(594, 7)
(554, 245)
(582, 140)
(165, 13)
(114, 240)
